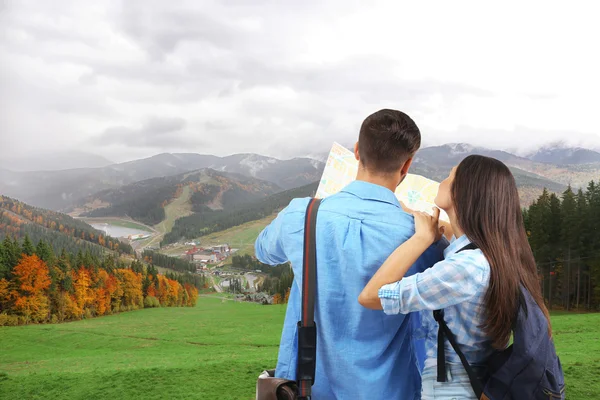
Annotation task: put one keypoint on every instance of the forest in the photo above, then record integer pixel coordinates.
(564, 234)
(165, 261)
(62, 231)
(207, 221)
(144, 201)
(37, 286)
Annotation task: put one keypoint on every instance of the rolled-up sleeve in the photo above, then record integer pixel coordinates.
(449, 282)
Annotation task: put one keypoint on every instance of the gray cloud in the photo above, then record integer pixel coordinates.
(155, 132)
(278, 78)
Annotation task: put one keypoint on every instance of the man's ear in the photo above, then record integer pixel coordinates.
(356, 155)
(406, 166)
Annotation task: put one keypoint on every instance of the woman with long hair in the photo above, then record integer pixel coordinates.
(477, 284)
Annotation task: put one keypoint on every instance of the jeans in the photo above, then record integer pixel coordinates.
(456, 387)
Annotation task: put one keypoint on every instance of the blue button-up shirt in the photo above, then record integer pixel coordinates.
(361, 353)
(458, 285)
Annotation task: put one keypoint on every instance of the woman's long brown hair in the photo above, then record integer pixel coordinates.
(488, 211)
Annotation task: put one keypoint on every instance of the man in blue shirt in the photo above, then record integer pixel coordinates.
(361, 353)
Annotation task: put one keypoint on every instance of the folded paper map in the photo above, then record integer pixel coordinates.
(416, 192)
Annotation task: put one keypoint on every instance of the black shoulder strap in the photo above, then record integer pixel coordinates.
(445, 332)
(307, 330)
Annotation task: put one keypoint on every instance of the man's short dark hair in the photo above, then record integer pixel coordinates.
(387, 139)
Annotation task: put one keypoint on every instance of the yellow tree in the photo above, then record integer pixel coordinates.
(84, 294)
(32, 278)
(132, 288)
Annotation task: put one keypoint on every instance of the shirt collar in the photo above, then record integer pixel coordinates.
(371, 191)
(456, 245)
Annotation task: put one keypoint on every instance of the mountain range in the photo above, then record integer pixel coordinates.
(194, 191)
(553, 167)
(61, 190)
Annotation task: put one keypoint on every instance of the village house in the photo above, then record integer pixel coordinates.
(209, 255)
(205, 256)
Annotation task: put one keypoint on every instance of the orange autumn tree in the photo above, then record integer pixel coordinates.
(162, 291)
(192, 295)
(102, 293)
(32, 279)
(131, 283)
(151, 291)
(84, 295)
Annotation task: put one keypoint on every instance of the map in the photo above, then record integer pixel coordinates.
(416, 192)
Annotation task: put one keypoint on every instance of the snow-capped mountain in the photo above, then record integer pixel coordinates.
(559, 153)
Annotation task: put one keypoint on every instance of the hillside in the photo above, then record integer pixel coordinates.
(58, 190)
(196, 352)
(551, 167)
(207, 220)
(435, 163)
(145, 201)
(560, 154)
(60, 230)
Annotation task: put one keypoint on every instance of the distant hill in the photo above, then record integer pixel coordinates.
(144, 201)
(531, 176)
(562, 155)
(207, 221)
(552, 167)
(59, 190)
(59, 230)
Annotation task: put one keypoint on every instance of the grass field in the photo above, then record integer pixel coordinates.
(212, 351)
(241, 237)
(180, 207)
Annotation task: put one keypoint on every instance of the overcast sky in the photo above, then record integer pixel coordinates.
(128, 79)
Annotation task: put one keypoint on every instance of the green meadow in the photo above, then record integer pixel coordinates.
(212, 351)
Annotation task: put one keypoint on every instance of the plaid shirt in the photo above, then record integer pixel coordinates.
(458, 285)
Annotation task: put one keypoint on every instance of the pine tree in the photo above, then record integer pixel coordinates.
(570, 235)
(44, 252)
(539, 214)
(12, 253)
(593, 262)
(581, 211)
(27, 246)
(4, 269)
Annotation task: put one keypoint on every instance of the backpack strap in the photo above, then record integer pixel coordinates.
(307, 329)
(445, 332)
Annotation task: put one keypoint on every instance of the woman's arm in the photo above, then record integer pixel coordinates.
(392, 270)
(395, 267)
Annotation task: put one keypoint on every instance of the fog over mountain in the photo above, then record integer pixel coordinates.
(553, 168)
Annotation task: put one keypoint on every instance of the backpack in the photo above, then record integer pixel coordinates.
(528, 369)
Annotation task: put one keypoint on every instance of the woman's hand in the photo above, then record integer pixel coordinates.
(427, 227)
(406, 209)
